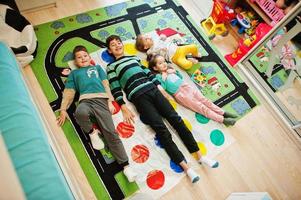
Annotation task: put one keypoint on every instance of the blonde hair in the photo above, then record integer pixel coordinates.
(140, 44)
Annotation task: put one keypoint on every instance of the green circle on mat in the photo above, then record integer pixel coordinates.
(201, 118)
(217, 137)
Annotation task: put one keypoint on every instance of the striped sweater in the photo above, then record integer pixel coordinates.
(129, 75)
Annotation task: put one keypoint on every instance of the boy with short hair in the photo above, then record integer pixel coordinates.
(140, 86)
(95, 101)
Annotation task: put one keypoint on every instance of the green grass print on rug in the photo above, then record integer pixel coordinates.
(260, 63)
(58, 38)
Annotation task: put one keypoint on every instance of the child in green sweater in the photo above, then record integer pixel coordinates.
(95, 101)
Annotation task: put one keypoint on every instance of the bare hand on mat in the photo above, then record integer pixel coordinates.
(128, 115)
(61, 119)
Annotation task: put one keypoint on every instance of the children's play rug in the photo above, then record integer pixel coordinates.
(157, 174)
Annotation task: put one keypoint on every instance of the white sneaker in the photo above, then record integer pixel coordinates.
(97, 143)
(194, 177)
(130, 174)
(210, 162)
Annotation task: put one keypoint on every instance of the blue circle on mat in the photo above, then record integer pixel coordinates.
(107, 57)
(157, 142)
(176, 168)
(201, 118)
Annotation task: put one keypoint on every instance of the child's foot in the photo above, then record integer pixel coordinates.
(229, 121)
(193, 60)
(130, 174)
(197, 58)
(97, 143)
(229, 115)
(210, 162)
(194, 177)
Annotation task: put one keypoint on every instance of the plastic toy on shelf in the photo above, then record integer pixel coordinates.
(271, 10)
(243, 21)
(214, 25)
(244, 45)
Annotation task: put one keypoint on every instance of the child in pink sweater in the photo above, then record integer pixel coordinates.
(186, 95)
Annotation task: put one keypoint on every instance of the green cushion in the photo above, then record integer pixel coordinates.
(25, 137)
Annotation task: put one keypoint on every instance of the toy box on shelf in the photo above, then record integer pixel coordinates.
(270, 9)
(244, 45)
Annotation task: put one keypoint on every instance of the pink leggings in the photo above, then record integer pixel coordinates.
(194, 100)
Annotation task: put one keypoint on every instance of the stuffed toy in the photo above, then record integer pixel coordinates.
(18, 34)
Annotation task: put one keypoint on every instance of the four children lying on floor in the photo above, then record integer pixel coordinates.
(145, 88)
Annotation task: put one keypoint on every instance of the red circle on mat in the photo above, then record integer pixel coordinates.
(140, 153)
(117, 107)
(155, 179)
(125, 130)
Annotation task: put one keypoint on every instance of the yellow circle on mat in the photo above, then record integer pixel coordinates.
(202, 148)
(188, 124)
(144, 62)
(130, 49)
(173, 104)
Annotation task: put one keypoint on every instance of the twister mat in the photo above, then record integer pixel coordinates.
(157, 174)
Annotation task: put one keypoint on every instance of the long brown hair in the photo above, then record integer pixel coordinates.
(152, 61)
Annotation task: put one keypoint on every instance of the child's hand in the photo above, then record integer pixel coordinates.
(61, 119)
(128, 116)
(164, 76)
(163, 37)
(171, 71)
(111, 107)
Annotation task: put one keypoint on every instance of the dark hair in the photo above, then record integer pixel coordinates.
(79, 48)
(111, 38)
(152, 61)
(288, 3)
(139, 43)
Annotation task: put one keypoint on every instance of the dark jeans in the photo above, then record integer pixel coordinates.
(153, 107)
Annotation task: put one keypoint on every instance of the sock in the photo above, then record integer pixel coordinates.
(198, 58)
(193, 60)
(194, 177)
(130, 174)
(229, 121)
(229, 115)
(210, 162)
(96, 142)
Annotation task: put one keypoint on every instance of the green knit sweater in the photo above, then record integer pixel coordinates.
(129, 75)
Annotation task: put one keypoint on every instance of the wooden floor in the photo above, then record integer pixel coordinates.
(263, 158)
